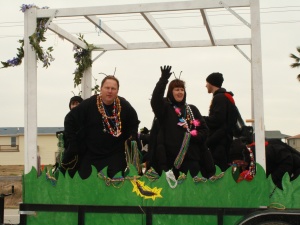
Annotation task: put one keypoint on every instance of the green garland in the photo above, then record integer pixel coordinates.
(82, 56)
(16, 60)
(36, 38)
(82, 59)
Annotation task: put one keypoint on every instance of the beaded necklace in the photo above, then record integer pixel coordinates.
(252, 163)
(189, 122)
(111, 124)
(250, 173)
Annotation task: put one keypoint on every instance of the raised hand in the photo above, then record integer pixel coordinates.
(166, 72)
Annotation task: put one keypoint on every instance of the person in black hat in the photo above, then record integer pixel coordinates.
(75, 101)
(218, 121)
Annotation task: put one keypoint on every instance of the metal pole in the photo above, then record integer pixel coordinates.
(1, 209)
(2, 196)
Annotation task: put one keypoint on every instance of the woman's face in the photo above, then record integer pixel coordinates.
(109, 91)
(178, 94)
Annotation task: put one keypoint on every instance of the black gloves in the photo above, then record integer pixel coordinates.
(166, 72)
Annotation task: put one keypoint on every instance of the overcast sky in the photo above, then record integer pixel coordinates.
(139, 70)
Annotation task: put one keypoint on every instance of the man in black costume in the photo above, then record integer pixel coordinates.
(218, 121)
(97, 130)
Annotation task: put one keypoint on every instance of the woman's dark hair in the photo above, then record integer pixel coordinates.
(175, 84)
(110, 77)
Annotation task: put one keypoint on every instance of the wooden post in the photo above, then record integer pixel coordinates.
(86, 83)
(257, 84)
(30, 83)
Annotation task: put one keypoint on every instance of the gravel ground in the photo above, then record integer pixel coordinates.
(11, 176)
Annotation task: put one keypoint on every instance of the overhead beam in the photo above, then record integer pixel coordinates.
(50, 19)
(207, 26)
(152, 22)
(98, 56)
(138, 8)
(175, 44)
(235, 14)
(58, 30)
(243, 53)
(109, 32)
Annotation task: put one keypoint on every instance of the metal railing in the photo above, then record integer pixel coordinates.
(148, 211)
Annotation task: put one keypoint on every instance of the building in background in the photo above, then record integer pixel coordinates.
(294, 142)
(275, 134)
(12, 145)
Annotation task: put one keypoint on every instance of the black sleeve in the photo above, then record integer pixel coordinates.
(132, 121)
(70, 137)
(153, 142)
(74, 124)
(157, 100)
(217, 111)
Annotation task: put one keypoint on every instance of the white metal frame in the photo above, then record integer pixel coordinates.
(91, 13)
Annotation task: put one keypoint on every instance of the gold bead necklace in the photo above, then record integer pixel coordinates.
(111, 124)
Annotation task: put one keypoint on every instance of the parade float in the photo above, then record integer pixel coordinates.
(144, 200)
(59, 199)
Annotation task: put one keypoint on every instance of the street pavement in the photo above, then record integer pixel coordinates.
(11, 216)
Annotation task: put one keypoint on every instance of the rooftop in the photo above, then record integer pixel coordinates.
(294, 137)
(275, 134)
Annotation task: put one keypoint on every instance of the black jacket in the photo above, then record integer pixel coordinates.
(217, 120)
(172, 134)
(85, 134)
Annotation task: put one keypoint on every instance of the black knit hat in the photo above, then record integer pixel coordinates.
(215, 79)
(75, 99)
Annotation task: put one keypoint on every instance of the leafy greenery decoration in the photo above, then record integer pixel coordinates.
(82, 56)
(35, 39)
(82, 59)
(16, 60)
(96, 88)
